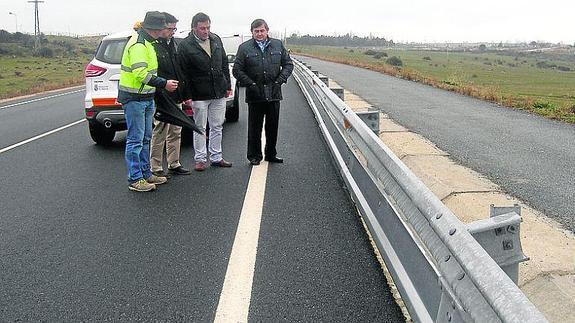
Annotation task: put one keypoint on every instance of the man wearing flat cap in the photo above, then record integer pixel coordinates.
(138, 83)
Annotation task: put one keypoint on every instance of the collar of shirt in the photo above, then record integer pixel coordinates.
(199, 39)
(263, 44)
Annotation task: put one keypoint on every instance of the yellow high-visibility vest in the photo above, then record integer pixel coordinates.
(139, 65)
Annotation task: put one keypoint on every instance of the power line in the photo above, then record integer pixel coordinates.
(36, 23)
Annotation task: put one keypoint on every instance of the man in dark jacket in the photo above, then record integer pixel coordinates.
(205, 66)
(165, 134)
(262, 65)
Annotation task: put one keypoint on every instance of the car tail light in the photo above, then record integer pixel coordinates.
(105, 102)
(94, 70)
(189, 112)
(90, 114)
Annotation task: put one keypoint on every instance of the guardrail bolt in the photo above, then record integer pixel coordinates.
(452, 231)
(460, 276)
(499, 231)
(448, 317)
(438, 216)
(511, 229)
(507, 245)
(446, 258)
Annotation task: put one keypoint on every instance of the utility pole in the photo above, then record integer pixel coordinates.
(15, 16)
(36, 24)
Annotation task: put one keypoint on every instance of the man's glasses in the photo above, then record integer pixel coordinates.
(172, 29)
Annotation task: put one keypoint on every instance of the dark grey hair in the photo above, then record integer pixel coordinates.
(257, 23)
(200, 17)
(169, 18)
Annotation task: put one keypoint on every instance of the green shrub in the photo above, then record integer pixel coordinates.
(394, 61)
(379, 55)
(426, 58)
(544, 105)
(46, 52)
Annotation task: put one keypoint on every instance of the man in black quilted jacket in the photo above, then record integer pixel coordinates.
(262, 65)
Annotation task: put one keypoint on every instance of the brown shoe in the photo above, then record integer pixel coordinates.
(200, 166)
(222, 163)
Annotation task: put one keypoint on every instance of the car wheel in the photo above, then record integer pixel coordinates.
(101, 135)
(233, 112)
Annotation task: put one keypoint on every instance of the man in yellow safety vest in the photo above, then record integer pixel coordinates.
(138, 83)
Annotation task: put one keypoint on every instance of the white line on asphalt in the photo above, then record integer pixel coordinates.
(40, 136)
(39, 99)
(236, 293)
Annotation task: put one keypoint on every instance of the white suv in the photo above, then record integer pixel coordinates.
(103, 112)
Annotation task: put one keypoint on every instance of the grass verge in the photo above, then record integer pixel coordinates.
(512, 80)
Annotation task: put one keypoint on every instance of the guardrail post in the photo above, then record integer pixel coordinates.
(499, 236)
(339, 92)
(371, 119)
(324, 79)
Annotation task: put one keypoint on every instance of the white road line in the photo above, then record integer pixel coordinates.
(236, 293)
(39, 99)
(41, 136)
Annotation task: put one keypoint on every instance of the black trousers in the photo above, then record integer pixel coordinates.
(257, 111)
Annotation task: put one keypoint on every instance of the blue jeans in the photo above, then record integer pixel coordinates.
(139, 119)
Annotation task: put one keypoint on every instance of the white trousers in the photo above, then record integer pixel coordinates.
(214, 112)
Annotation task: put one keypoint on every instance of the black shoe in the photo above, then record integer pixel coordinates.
(274, 160)
(254, 162)
(162, 174)
(180, 171)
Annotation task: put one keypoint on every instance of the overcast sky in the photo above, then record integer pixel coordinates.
(400, 20)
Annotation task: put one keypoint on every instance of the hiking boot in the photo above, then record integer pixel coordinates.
(142, 186)
(162, 174)
(157, 180)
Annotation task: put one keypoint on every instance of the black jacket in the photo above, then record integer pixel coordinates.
(262, 73)
(206, 77)
(169, 68)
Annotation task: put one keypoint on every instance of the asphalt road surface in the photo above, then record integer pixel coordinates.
(530, 157)
(77, 245)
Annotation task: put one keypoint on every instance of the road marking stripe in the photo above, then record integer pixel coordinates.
(39, 99)
(236, 293)
(41, 136)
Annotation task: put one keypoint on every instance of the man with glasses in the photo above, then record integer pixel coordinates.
(205, 66)
(167, 137)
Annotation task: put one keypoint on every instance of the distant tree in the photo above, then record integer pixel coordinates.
(533, 43)
(482, 47)
(500, 44)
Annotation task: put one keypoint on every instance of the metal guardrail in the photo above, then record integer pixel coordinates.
(441, 271)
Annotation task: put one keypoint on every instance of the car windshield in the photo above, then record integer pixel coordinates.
(111, 50)
(231, 58)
